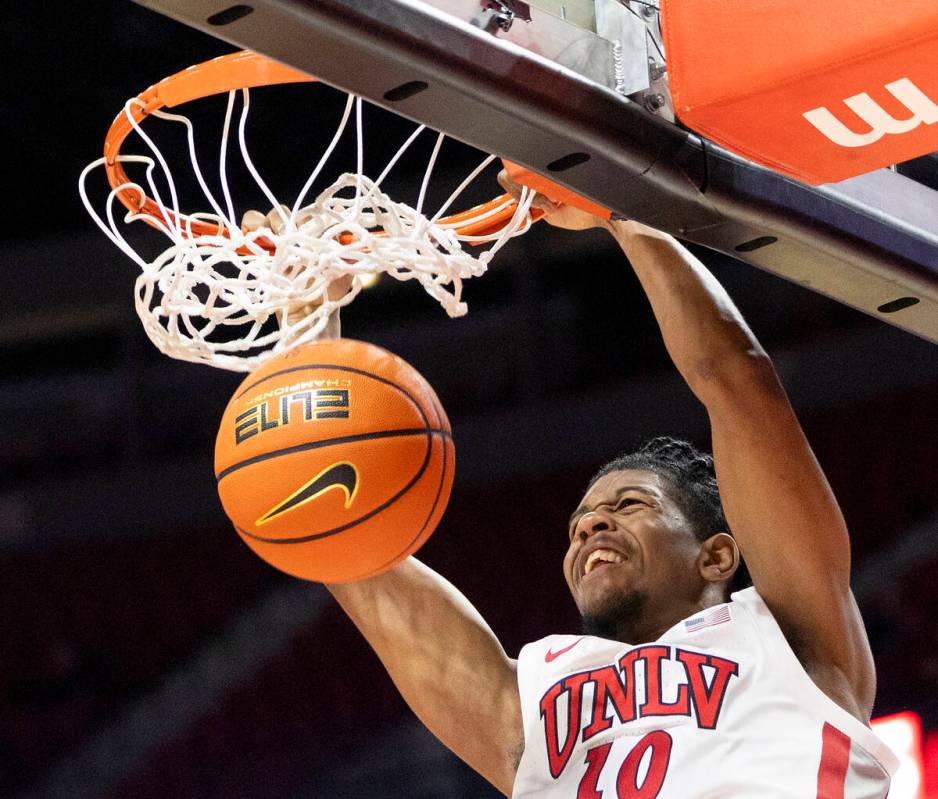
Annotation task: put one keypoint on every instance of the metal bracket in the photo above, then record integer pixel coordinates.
(656, 98)
(499, 15)
(626, 30)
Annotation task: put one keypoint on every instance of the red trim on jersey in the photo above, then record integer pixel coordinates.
(835, 757)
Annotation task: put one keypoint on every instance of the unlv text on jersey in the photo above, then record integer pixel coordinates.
(696, 683)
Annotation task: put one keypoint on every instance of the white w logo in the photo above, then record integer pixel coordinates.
(923, 111)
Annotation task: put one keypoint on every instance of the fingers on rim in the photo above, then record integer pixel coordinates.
(252, 220)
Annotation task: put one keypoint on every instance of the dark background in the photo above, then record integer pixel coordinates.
(144, 651)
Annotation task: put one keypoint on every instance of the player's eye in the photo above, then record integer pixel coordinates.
(625, 502)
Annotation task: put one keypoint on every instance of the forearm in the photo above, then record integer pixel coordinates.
(412, 612)
(702, 329)
(445, 661)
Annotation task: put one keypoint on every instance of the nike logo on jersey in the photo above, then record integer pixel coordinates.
(343, 476)
(554, 655)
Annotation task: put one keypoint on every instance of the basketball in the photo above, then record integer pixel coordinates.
(334, 460)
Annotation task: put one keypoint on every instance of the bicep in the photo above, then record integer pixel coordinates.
(785, 518)
(446, 662)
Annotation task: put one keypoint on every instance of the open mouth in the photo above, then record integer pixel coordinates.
(600, 559)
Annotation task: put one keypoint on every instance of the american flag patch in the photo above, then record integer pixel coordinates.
(709, 618)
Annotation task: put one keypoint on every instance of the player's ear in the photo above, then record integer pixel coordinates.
(719, 558)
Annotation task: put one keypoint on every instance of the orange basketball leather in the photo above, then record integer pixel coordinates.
(334, 461)
(818, 91)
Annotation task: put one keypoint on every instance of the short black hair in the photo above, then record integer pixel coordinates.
(691, 474)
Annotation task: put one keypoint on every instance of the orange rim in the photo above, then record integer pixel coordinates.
(242, 70)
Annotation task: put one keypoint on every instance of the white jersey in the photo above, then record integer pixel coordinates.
(719, 706)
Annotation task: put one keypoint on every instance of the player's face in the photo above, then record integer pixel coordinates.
(630, 546)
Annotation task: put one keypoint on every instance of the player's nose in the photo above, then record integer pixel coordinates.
(591, 523)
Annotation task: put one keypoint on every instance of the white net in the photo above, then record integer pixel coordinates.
(241, 293)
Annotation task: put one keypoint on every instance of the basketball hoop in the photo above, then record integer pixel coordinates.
(227, 295)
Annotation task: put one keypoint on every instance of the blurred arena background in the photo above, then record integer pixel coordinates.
(145, 652)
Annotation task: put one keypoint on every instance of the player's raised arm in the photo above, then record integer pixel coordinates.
(446, 662)
(777, 500)
(442, 656)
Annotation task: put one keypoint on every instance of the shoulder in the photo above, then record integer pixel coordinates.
(852, 688)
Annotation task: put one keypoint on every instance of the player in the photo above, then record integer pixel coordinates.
(676, 689)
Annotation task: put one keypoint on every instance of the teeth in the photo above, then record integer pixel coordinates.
(606, 555)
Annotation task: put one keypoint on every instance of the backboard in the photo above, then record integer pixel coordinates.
(577, 91)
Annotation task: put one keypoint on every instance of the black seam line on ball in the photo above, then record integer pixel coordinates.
(373, 512)
(436, 500)
(339, 367)
(414, 431)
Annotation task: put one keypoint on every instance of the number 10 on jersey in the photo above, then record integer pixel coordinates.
(658, 743)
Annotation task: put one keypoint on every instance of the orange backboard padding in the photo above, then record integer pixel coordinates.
(817, 91)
